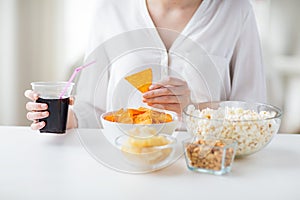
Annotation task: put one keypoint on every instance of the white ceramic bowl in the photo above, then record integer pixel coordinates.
(113, 130)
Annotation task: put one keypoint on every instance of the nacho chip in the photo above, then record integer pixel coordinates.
(144, 118)
(139, 116)
(141, 80)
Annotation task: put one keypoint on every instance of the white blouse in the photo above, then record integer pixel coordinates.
(218, 54)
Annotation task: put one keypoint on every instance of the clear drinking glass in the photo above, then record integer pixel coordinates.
(49, 93)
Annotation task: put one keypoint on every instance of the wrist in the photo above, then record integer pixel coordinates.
(72, 120)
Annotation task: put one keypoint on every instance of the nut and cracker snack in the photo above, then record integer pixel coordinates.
(203, 154)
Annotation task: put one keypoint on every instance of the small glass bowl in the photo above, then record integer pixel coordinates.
(142, 155)
(209, 155)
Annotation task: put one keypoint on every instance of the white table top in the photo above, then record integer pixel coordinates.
(38, 166)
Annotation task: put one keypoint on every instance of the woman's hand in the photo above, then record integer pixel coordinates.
(36, 111)
(170, 94)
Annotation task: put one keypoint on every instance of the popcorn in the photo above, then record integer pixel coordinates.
(252, 130)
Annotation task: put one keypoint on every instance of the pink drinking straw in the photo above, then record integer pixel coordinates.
(78, 69)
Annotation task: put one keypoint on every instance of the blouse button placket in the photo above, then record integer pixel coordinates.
(164, 64)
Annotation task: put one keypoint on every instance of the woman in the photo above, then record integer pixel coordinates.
(199, 50)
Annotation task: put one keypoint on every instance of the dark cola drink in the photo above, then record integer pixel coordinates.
(58, 114)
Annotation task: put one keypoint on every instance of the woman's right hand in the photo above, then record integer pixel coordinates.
(35, 110)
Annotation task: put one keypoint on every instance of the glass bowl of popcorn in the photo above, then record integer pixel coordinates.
(251, 125)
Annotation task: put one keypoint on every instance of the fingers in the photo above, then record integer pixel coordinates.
(31, 95)
(163, 91)
(171, 107)
(32, 106)
(172, 103)
(169, 94)
(164, 100)
(169, 81)
(37, 115)
(37, 125)
(157, 92)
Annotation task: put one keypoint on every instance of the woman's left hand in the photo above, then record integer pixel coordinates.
(170, 94)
